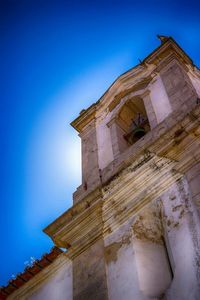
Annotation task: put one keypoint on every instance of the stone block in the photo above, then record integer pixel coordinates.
(89, 280)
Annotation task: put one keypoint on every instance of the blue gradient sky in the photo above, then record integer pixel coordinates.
(58, 57)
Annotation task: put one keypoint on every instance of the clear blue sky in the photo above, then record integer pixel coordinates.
(58, 57)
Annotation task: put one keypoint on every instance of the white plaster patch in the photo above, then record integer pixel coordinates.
(122, 278)
(153, 268)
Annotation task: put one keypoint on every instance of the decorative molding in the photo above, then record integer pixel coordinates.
(84, 119)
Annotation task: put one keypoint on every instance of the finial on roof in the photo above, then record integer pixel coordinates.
(162, 38)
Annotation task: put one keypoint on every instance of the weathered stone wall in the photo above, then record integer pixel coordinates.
(161, 106)
(195, 79)
(121, 268)
(182, 230)
(119, 144)
(178, 85)
(150, 110)
(90, 165)
(155, 254)
(104, 142)
(152, 263)
(136, 258)
(193, 176)
(89, 274)
(165, 244)
(59, 287)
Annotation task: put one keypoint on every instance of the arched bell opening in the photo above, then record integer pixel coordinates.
(132, 118)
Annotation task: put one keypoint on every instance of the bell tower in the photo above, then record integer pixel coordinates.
(134, 229)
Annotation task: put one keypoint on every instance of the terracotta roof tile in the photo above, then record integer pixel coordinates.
(29, 272)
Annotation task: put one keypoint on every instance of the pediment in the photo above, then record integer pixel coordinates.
(134, 80)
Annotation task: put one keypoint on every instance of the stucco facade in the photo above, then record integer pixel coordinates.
(134, 229)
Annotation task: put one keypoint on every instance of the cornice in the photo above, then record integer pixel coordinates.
(80, 226)
(84, 231)
(84, 118)
(72, 212)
